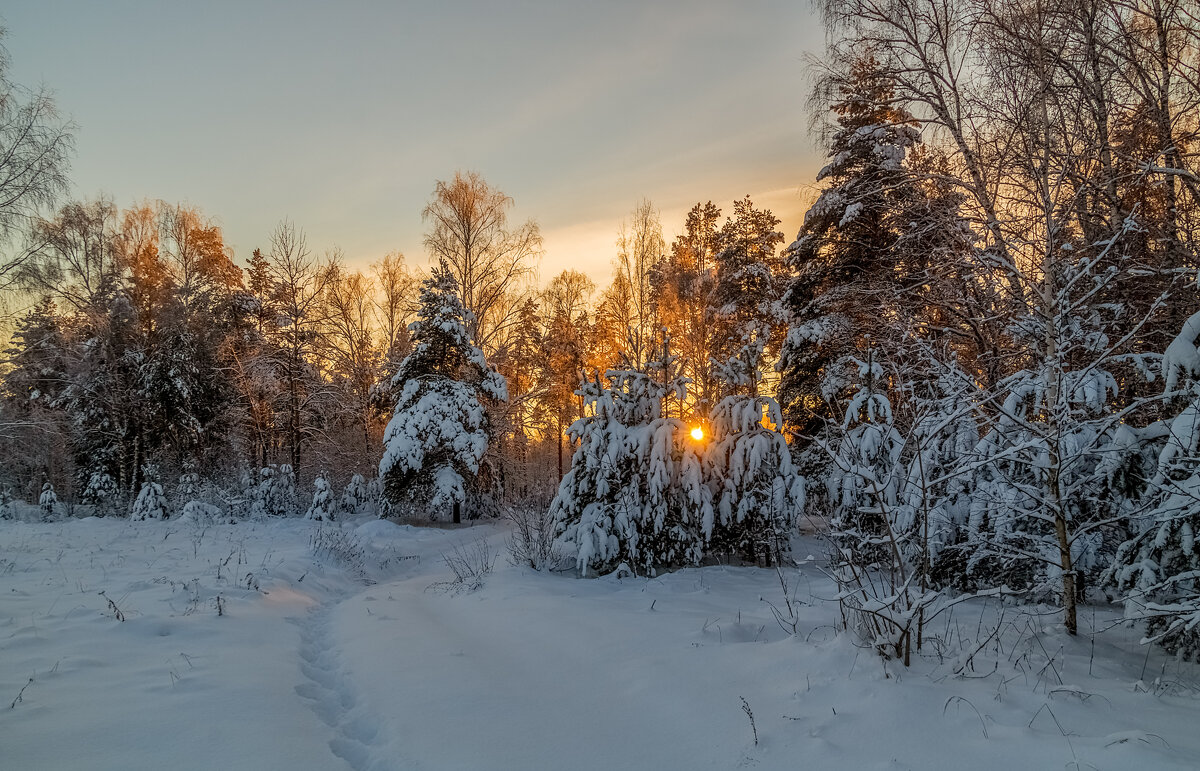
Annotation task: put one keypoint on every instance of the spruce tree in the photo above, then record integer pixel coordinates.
(844, 256)
(355, 496)
(150, 503)
(322, 506)
(757, 493)
(47, 501)
(436, 441)
(1158, 571)
(635, 493)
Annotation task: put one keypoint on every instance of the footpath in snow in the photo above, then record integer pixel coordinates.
(288, 644)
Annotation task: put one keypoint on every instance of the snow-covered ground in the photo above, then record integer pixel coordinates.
(292, 645)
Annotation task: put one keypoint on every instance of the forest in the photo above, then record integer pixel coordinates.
(975, 369)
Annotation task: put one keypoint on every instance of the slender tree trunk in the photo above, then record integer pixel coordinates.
(559, 432)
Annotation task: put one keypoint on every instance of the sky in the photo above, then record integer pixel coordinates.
(341, 117)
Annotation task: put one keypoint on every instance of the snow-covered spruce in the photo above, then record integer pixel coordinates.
(260, 493)
(1158, 572)
(935, 502)
(322, 506)
(101, 493)
(7, 502)
(47, 501)
(281, 493)
(356, 496)
(757, 493)
(150, 503)
(435, 444)
(864, 480)
(635, 493)
(1060, 469)
(274, 495)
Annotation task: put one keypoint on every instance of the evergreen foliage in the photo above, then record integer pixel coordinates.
(1158, 570)
(47, 501)
(150, 502)
(436, 441)
(635, 493)
(322, 507)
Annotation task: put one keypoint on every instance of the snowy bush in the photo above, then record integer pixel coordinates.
(341, 546)
(200, 513)
(531, 542)
(470, 566)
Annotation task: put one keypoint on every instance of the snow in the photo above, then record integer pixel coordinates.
(338, 647)
(1183, 355)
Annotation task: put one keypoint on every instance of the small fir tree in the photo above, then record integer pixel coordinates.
(356, 496)
(866, 475)
(47, 501)
(150, 503)
(260, 493)
(281, 494)
(101, 492)
(322, 506)
(7, 502)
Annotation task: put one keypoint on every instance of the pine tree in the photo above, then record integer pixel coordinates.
(439, 433)
(564, 357)
(37, 355)
(683, 284)
(751, 281)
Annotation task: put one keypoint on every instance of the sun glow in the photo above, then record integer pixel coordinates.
(697, 433)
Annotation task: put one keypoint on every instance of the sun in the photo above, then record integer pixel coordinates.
(697, 433)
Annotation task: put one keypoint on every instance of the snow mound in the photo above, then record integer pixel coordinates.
(379, 528)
